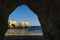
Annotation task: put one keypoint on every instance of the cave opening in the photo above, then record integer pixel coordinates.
(23, 21)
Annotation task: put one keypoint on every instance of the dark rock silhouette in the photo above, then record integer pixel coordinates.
(48, 12)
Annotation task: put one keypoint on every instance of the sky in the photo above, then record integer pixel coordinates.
(23, 13)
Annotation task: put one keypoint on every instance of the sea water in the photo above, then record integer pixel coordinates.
(33, 30)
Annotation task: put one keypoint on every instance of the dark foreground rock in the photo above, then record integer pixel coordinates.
(23, 38)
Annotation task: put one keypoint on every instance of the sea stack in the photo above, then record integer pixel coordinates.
(24, 24)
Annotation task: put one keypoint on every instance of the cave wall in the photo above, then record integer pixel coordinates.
(48, 12)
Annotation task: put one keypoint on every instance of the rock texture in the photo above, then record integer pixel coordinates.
(48, 12)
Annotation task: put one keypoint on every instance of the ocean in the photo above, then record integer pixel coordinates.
(32, 32)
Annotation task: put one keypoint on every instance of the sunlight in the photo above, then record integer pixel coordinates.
(23, 21)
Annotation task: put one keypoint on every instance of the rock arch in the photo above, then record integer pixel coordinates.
(48, 12)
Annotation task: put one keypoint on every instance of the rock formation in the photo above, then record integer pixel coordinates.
(23, 24)
(12, 23)
(48, 12)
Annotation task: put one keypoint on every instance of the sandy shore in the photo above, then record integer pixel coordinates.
(23, 34)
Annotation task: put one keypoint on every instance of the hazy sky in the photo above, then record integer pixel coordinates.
(23, 13)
